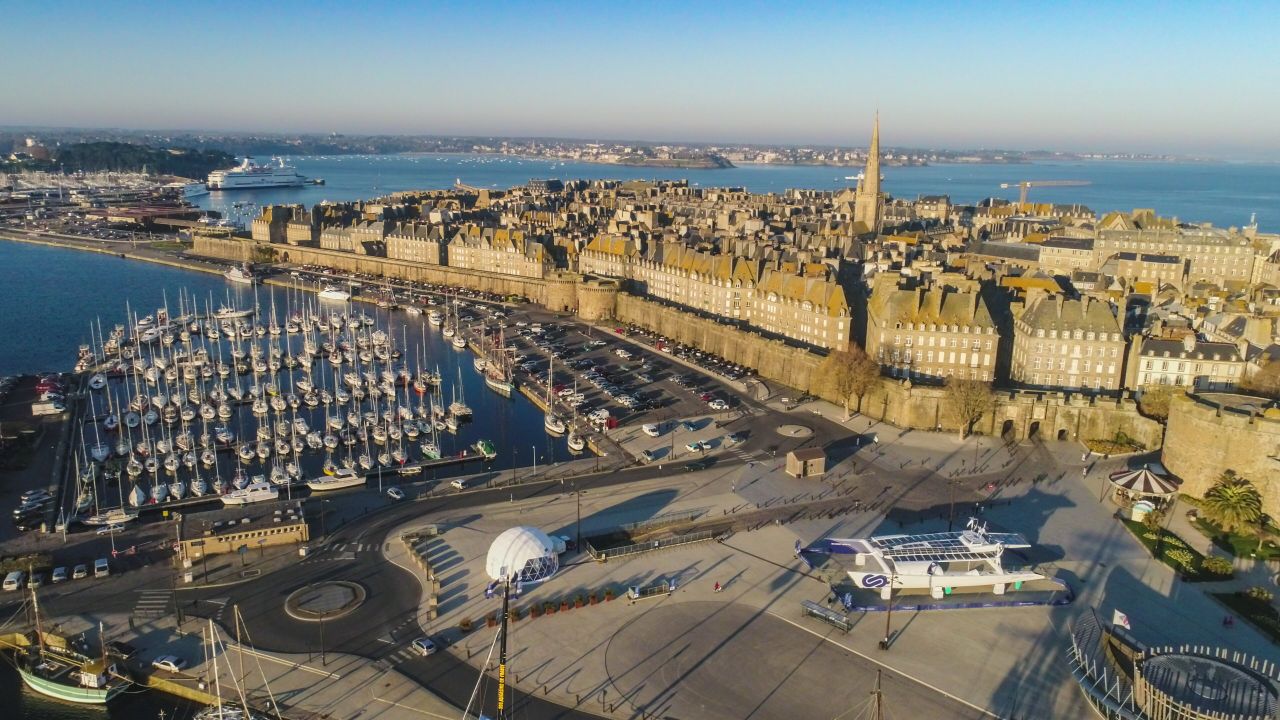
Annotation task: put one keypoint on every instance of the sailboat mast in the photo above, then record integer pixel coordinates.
(502, 650)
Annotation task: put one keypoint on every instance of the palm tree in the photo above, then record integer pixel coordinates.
(1233, 502)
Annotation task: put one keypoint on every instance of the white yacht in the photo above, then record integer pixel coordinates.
(257, 491)
(252, 175)
(194, 190)
(333, 292)
(341, 478)
(934, 561)
(241, 274)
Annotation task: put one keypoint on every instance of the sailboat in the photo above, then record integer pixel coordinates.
(552, 422)
(497, 371)
(55, 669)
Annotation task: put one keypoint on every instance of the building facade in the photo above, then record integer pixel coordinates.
(931, 331)
(1067, 344)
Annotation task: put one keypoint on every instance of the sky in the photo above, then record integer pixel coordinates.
(1170, 77)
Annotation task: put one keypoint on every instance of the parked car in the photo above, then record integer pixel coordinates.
(59, 575)
(80, 572)
(424, 646)
(458, 484)
(735, 438)
(122, 649)
(693, 446)
(169, 663)
(111, 529)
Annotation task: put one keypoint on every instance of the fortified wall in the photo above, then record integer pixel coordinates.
(772, 359)
(1211, 433)
(1016, 414)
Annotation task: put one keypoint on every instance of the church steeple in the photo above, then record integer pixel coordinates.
(867, 204)
(871, 177)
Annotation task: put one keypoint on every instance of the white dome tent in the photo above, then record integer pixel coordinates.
(522, 553)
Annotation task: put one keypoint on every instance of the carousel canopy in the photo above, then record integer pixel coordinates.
(1143, 482)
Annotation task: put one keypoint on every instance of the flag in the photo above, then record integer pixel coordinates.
(1119, 618)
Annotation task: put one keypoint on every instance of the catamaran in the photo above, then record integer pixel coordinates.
(970, 558)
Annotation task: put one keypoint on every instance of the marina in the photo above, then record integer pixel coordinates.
(266, 390)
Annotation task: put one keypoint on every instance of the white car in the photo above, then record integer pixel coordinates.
(170, 663)
(395, 493)
(694, 446)
(458, 485)
(651, 429)
(111, 529)
(718, 404)
(424, 646)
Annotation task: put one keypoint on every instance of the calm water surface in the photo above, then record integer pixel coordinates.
(1223, 194)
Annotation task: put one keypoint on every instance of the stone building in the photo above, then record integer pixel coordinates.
(931, 330)
(1190, 363)
(1067, 344)
(869, 202)
(1062, 256)
(1210, 254)
(269, 226)
(1157, 270)
(499, 250)
(418, 242)
(336, 237)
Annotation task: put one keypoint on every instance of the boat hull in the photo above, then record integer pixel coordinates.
(69, 693)
(502, 387)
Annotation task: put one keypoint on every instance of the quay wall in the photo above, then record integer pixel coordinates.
(1207, 437)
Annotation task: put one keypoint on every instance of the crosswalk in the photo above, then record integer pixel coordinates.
(152, 603)
(341, 551)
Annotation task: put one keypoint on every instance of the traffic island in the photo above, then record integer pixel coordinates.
(324, 601)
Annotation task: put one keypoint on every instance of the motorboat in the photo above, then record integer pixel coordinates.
(341, 478)
(257, 491)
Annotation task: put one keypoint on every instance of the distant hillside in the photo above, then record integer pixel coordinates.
(130, 157)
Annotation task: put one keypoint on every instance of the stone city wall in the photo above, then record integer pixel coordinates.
(1206, 437)
(1015, 414)
(771, 359)
(242, 250)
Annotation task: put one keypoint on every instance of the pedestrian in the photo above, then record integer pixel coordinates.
(717, 586)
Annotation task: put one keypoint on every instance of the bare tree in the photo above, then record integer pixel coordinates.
(968, 401)
(864, 373)
(850, 374)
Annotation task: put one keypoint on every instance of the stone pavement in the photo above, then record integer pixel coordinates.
(1007, 661)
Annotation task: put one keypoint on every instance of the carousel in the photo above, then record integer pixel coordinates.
(1141, 491)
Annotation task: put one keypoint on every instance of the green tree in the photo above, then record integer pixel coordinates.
(1233, 502)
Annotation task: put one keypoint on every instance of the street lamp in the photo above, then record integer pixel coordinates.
(534, 450)
(951, 515)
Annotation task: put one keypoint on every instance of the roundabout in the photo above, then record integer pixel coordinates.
(795, 431)
(324, 601)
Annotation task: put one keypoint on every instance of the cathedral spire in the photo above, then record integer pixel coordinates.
(872, 174)
(867, 203)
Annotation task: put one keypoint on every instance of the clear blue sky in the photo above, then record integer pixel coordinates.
(1193, 78)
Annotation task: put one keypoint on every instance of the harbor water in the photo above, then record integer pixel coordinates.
(1224, 194)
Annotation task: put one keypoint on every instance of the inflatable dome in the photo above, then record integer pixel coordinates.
(524, 552)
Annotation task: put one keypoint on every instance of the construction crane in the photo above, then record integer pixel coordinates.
(1026, 185)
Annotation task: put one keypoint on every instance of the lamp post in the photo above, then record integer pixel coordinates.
(888, 615)
(951, 515)
(534, 450)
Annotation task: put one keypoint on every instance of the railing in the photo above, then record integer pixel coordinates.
(664, 520)
(652, 546)
(831, 617)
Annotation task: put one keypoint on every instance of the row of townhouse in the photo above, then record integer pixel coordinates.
(794, 298)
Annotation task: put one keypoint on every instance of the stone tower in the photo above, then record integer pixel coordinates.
(867, 204)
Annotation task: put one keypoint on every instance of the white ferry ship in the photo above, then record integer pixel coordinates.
(194, 190)
(251, 175)
(934, 561)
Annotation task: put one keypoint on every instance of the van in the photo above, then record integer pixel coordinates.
(13, 581)
(101, 568)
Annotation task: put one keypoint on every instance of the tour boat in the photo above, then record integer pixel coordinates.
(934, 561)
(257, 491)
(335, 293)
(341, 478)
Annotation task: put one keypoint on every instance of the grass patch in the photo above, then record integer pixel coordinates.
(1259, 613)
(1173, 552)
(1235, 543)
(1114, 446)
